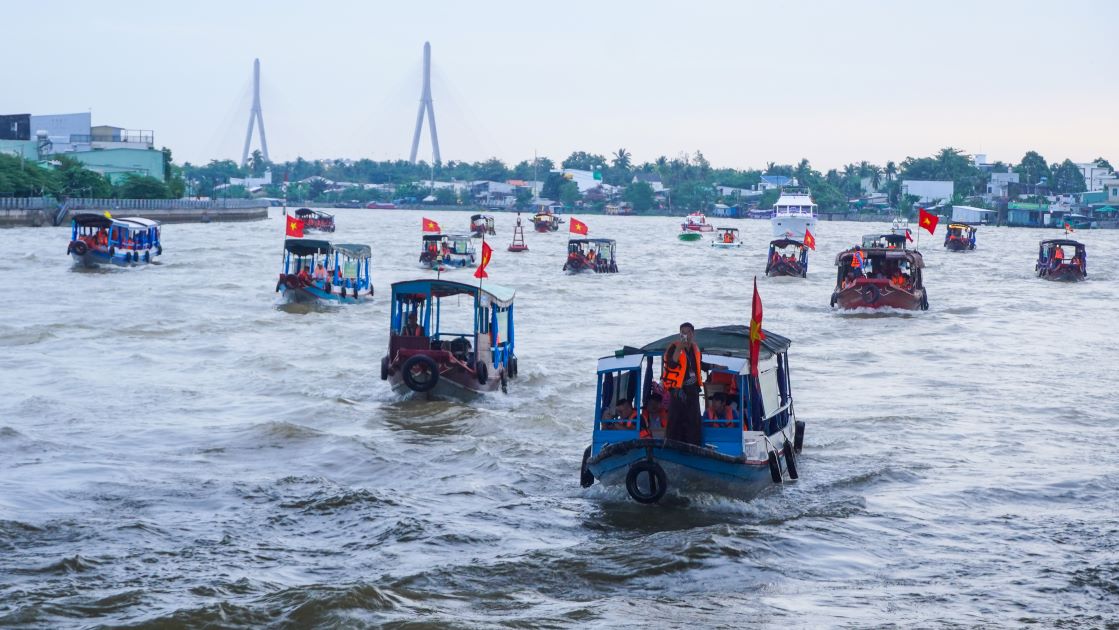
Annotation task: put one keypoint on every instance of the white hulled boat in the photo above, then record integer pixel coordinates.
(793, 212)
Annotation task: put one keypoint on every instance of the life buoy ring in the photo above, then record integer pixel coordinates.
(870, 294)
(586, 477)
(774, 467)
(385, 368)
(656, 487)
(419, 364)
(482, 372)
(790, 460)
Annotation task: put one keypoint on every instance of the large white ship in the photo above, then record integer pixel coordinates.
(793, 213)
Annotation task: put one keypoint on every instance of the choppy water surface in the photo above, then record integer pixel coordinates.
(175, 449)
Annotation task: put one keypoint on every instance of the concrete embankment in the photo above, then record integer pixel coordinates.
(17, 211)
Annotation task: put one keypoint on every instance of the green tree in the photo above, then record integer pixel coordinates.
(445, 196)
(141, 187)
(640, 195)
(552, 186)
(621, 159)
(1032, 168)
(493, 170)
(75, 180)
(315, 188)
(1067, 178)
(523, 197)
(584, 161)
(569, 193)
(1104, 163)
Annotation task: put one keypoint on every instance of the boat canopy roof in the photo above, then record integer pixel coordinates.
(89, 219)
(420, 289)
(459, 237)
(307, 246)
(873, 240)
(354, 250)
(960, 225)
(148, 223)
(432, 237)
(307, 212)
(1062, 242)
(574, 241)
(914, 257)
(727, 229)
(475, 217)
(785, 242)
(728, 341)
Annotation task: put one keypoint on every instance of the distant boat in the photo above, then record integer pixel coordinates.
(793, 213)
(346, 267)
(315, 220)
(1061, 259)
(726, 238)
(481, 225)
(439, 251)
(696, 222)
(879, 277)
(959, 237)
(96, 239)
(787, 257)
(590, 254)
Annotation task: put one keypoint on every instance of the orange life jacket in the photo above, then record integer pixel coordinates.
(1058, 254)
(673, 377)
(856, 260)
(728, 414)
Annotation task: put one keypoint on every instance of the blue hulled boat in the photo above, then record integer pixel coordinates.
(740, 453)
(344, 277)
(97, 239)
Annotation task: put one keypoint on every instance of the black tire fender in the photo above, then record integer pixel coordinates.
(410, 379)
(798, 435)
(586, 478)
(790, 460)
(513, 369)
(774, 467)
(482, 372)
(870, 294)
(658, 481)
(112, 252)
(385, 368)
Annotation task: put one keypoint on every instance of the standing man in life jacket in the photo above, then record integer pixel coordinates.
(683, 378)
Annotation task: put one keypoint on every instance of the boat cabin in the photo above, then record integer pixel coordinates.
(787, 257)
(885, 241)
(315, 220)
(696, 222)
(960, 237)
(98, 239)
(1061, 259)
(482, 224)
(447, 250)
(450, 338)
(591, 254)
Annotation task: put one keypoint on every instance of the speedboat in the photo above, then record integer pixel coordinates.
(793, 213)
(1062, 259)
(481, 225)
(960, 237)
(441, 251)
(787, 257)
(97, 239)
(345, 277)
(315, 220)
(689, 236)
(591, 254)
(726, 238)
(696, 222)
(430, 354)
(748, 446)
(877, 277)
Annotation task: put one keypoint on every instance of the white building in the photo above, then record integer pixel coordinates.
(999, 184)
(927, 190)
(969, 214)
(251, 183)
(67, 132)
(736, 193)
(1094, 175)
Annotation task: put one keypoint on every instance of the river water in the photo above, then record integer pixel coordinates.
(177, 450)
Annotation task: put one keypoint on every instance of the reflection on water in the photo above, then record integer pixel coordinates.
(178, 448)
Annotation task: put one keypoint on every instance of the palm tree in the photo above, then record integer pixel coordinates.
(802, 171)
(891, 171)
(875, 176)
(622, 160)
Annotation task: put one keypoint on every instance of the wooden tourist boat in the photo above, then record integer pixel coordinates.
(960, 237)
(447, 251)
(787, 257)
(316, 271)
(879, 277)
(1062, 260)
(97, 239)
(315, 220)
(591, 254)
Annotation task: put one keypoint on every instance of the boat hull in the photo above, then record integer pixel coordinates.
(448, 262)
(95, 258)
(785, 269)
(792, 225)
(872, 295)
(454, 383)
(958, 245)
(1064, 273)
(689, 236)
(734, 245)
(312, 294)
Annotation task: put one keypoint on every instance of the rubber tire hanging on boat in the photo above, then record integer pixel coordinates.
(798, 435)
(586, 477)
(410, 379)
(80, 248)
(924, 301)
(482, 372)
(504, 383)
(513, 367)
(774, 467)
(790, 460)
(158, 250)
(112, 252)
(658, 481)
(385, 368)
(870, 294)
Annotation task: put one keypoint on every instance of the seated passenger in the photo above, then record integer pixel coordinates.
(304, 275)
(655, 414)
(728, 237)
(897, 280)
(849, 281)
(717, 410)
(412, 328)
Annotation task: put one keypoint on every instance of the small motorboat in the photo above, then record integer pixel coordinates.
(518, 244)
(688, 236)
(546, 221)
(315, 220)
(787, 257)
(482, 225)
(793, 213)
(696, 222)
(590, 254)
(316, 271)
(960, 237)
(442, 251)
(426, 358)
(97, 239)
(1062, 259)
(726, 238)
(879, 277)
(749, 440)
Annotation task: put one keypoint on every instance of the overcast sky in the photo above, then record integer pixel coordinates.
(835, 81)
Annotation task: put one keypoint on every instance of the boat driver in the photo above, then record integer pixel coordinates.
(412, 328)
(320, 276)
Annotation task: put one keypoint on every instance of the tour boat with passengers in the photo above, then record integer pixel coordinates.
(591, 254)
(482, 225)
(787, 257)
(97, 239)
(750, 434)
(696, 222)
(793, 213)
(546, 220)
(1061, 259)
(440, 251)
(726, 238)
(960, 237)
(317, 271)
(875, 277)
(315, 220)
(450, 339)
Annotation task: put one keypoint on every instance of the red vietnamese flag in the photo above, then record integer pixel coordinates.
(578, 227)
(295, 227)
(430, 226)
(487, 252)
(809, 240)
(756, 332)
(908, 235)
(927, 220)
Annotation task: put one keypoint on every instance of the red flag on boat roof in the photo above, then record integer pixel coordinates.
(487, 252)
(578, 227)
(430, 226)
(927, 220)
(809, 240)
(1068, 228)
(756, 333)
(295, 227)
